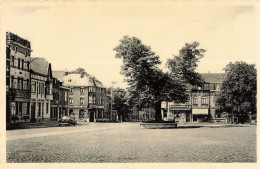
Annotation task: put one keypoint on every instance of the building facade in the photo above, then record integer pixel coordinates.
(41, 89)
(201, 105)
(87, 96)
(60, 102)
(18, 52)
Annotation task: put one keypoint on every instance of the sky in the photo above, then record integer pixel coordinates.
(72, 34)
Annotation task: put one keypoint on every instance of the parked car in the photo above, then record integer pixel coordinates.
(67, 120)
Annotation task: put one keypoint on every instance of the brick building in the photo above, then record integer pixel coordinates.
(60, 102)
(201, 105)
(18, 52)
(87, 96)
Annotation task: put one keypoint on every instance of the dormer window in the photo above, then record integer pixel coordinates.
(69, 80)
(71, 89)
(16, 49)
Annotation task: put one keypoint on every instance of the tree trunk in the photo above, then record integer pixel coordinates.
(157, 108)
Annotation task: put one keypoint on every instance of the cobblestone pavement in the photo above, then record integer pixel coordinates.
(127, 142)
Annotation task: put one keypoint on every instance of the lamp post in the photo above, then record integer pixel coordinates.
(111, 115)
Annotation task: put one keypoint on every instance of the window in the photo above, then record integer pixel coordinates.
(195, 100)
(81, 100)
(94, 100)
(12, 63)
(71, 100)
(22, 64)
(19, 63)
(47, 108)
(38, 88)
(66, 95)
(12, 82)
(26, 53)
(82, 90)
(69, 80)
(25, 85)
(28, 67)
(28, 84)
(90, 100)
(18, 84)
(16, 49)
(90, 89)
(50, 89)
(25, 65)
(71, 89)
(204, 100)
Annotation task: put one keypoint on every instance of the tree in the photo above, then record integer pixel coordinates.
(238, 90)
(148, 85)
(183, 66)
(120, 102)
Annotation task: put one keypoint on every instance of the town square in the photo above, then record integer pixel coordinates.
(130, 82)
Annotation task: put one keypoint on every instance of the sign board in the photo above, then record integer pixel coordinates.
(200, 111)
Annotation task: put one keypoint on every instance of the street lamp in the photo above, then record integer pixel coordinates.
(113, 83)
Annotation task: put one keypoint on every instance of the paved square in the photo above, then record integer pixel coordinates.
(127, 142)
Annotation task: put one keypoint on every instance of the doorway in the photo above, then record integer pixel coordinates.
(91, 116)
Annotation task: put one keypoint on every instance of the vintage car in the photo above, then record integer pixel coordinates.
(67, 120)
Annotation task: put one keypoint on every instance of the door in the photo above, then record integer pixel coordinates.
(91, 118)
(33, 112)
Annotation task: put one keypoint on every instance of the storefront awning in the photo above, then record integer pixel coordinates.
(200, 111)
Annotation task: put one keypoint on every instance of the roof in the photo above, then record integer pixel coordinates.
(58, 74)
(39, 65)
(213, 77)
(76, 80)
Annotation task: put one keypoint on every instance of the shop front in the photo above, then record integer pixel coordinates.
(200, 115)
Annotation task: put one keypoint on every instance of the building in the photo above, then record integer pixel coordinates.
(201, 104)
(145, 114)
(41, 89)
(18, 52)
(87, 96)
(60, 102)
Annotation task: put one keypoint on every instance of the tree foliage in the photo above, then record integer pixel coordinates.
(120, 102)
(183, 66)
(148, 85)
(238, 90)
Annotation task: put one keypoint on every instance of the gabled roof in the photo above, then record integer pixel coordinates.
(213, 77)
(58, 74)
(76, 80)
(39, 65)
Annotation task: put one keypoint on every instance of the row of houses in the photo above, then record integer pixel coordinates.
(36, 93)
(201, 105)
